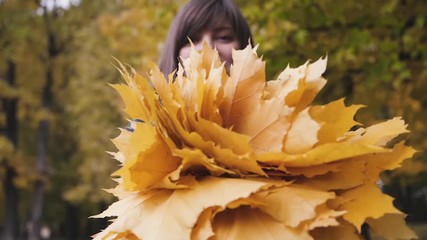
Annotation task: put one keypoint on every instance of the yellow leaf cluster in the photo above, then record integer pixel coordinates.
(212, 155)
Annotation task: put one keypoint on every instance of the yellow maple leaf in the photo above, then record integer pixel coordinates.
(344, 231)
(293, 204)
(218, 156)
(347, 175)
(364, 202)
(152, 162)
(203, 228)
(247, 223)
(177, 211)
(325, 217)
(244, 88)
(314, 170)
(391, 227)
(302, 134)
(133, 104)
(336, 120)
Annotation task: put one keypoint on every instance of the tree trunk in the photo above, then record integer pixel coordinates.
(42, 149)
(43, 137)
(71, 228)
(10, 227)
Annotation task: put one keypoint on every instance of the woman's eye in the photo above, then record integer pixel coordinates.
(225, 38)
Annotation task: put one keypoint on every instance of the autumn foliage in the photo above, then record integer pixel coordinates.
(212, 155)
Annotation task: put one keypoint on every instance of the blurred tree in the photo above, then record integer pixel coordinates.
(85, 120)
(49, 89)
(90, 116)
(14, 29)
(136, 34)
(53, 47)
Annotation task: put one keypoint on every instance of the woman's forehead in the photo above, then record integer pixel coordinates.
(219, 24)
(221, 27)
(214, 24)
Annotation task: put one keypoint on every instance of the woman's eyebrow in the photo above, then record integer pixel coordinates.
(222, 28)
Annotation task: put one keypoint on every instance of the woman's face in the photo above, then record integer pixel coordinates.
(222, 37)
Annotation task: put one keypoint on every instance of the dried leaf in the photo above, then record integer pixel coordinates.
(209, 155)
(244, 88)
(203, 228)
(247, 223)
(291, 205)
(349, 174)
(344, 231)
(336, 120)
(325, 217)
(178, 210)
(302, 135)
(364, 202)
(391, 227)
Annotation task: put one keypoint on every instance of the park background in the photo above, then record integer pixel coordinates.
(58, 113)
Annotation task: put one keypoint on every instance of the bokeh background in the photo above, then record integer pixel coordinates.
(58, 114)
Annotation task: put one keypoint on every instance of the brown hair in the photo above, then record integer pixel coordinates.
(196, 16)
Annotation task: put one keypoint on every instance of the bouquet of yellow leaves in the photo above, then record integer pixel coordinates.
(232, 156)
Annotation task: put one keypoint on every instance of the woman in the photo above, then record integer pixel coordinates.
(218, 22)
